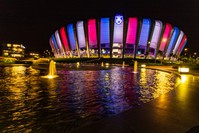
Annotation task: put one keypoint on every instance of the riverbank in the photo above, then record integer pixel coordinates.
(11, 65)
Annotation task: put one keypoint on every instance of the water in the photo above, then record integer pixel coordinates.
(30, 103)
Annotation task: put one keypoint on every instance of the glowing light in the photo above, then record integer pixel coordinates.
(143, 65)
(183, 78)
(183, 69)
(78, 64)
(164, 40)
(107, 64)
(50, 76)
(135, 67)
(123, 64)
(102, 64)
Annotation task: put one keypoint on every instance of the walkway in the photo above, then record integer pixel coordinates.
(174, 112)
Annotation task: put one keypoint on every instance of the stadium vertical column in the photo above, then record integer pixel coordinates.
(125, 27)
(85, 26)
(139, 25)
(98, 37)
(77, 41)
(111, 35)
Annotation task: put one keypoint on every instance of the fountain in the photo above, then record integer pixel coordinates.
(135, 67)
(52, 71)
(102, 64)
(123, 64)
(77, 64)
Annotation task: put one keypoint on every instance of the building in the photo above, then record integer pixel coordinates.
(13, 50)
(118, 37)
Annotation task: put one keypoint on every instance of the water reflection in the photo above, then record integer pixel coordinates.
(31, 103)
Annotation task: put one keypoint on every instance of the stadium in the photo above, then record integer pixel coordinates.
(118, 37)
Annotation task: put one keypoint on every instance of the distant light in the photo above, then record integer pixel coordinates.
(107, 64)
(143, 65)
(49, 76)
(183, 78)
(164, 39)
(183, 69)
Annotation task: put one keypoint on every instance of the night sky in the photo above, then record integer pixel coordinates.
(31, 22)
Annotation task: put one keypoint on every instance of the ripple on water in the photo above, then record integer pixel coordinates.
(31, 103)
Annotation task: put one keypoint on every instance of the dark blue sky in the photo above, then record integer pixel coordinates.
(32, 22)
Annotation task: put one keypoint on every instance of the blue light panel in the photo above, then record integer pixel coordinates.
(71, 36)
(105, 31)
(143, 40)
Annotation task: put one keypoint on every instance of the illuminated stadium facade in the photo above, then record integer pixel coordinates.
(118, 38)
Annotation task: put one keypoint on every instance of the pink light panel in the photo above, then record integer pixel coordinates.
(132, 31)
(92, 33)
(165, 37)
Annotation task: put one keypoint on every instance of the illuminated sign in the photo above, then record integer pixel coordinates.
(118, 19)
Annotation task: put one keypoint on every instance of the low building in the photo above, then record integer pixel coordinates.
(13, 50)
